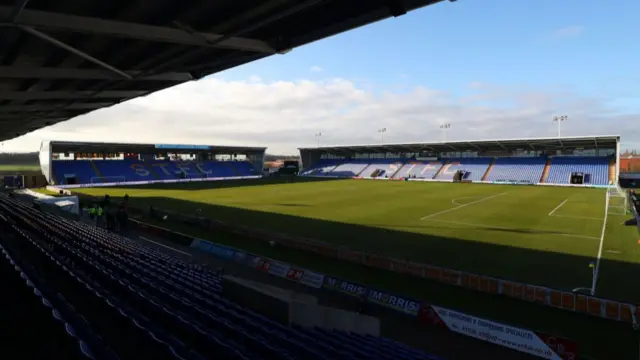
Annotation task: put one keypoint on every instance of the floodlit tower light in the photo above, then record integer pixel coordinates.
(445, 128)
(381, 131)
(559, 120)
(318, 136)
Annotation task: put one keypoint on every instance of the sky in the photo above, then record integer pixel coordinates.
(493, 69)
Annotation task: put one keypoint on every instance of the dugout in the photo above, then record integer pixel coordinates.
(54, 151)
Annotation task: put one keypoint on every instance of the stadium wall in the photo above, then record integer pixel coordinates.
(527, 341)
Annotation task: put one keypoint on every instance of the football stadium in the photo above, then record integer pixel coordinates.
(540, 220)
(521, 248)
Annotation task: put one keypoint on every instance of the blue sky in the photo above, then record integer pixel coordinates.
(585, 46)
(492, 68)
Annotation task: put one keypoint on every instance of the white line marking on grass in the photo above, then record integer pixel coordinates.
(604, 228)
(613, 251)
(507, 228)
(461, 206)
(165, 246)
(578, 217)
(455, 201)
(559, 206)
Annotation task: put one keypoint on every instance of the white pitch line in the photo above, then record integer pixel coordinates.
(455, 201)
(604, 228)
(164, 246)
(578, 217)
(613, 251)
(461, 206)
(507, 228)
(559, 206)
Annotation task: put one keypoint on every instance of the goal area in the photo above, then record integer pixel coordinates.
(617, 203)
(108, 179)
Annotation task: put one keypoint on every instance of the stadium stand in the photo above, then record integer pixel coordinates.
(322, 168)
(419, 169)
(517, 169)
(142, 301)
(382, 168)
(351, 168)
(596, 169)
(84, 171)
(474, 167)
(507, 169)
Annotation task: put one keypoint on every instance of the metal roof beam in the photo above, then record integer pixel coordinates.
(50, 107)
(16, 10)
(475, 146)
(53, 41)
(95, 26)
(39, 117)
(70, 95)
(25, 72)
(502, 146)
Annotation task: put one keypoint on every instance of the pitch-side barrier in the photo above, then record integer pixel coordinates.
(527, 341)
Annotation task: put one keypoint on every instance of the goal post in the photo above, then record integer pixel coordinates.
(617, 201)
(108, 179)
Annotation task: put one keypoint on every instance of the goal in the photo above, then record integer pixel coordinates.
(617, 201)
(108, 179)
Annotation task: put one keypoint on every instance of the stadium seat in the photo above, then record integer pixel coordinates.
(419, 169)
(66, 169)
(321, 168)
(141, 300)
(350, 168)
(517, 169)
(475, 168)
(127, 170)
(595, 168)
(382, 168)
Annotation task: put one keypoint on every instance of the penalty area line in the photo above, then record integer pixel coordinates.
(461, 206)
(559, 206)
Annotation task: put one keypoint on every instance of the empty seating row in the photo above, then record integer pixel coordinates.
(517, 169)
(475, 168)
(595, 168)
(140, 300)
(507, 169)
(100, 171)
(419, 169)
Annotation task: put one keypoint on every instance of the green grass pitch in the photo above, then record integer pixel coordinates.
(534, 234)
(13, 169)
(542, 235)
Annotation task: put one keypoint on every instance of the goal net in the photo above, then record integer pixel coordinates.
(108, 179)
(618, 201)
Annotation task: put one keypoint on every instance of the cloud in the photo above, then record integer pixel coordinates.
(567, 32)
(285, 115)
(316, 69)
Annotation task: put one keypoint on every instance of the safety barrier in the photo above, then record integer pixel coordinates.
(170, 181)
(523, 340)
